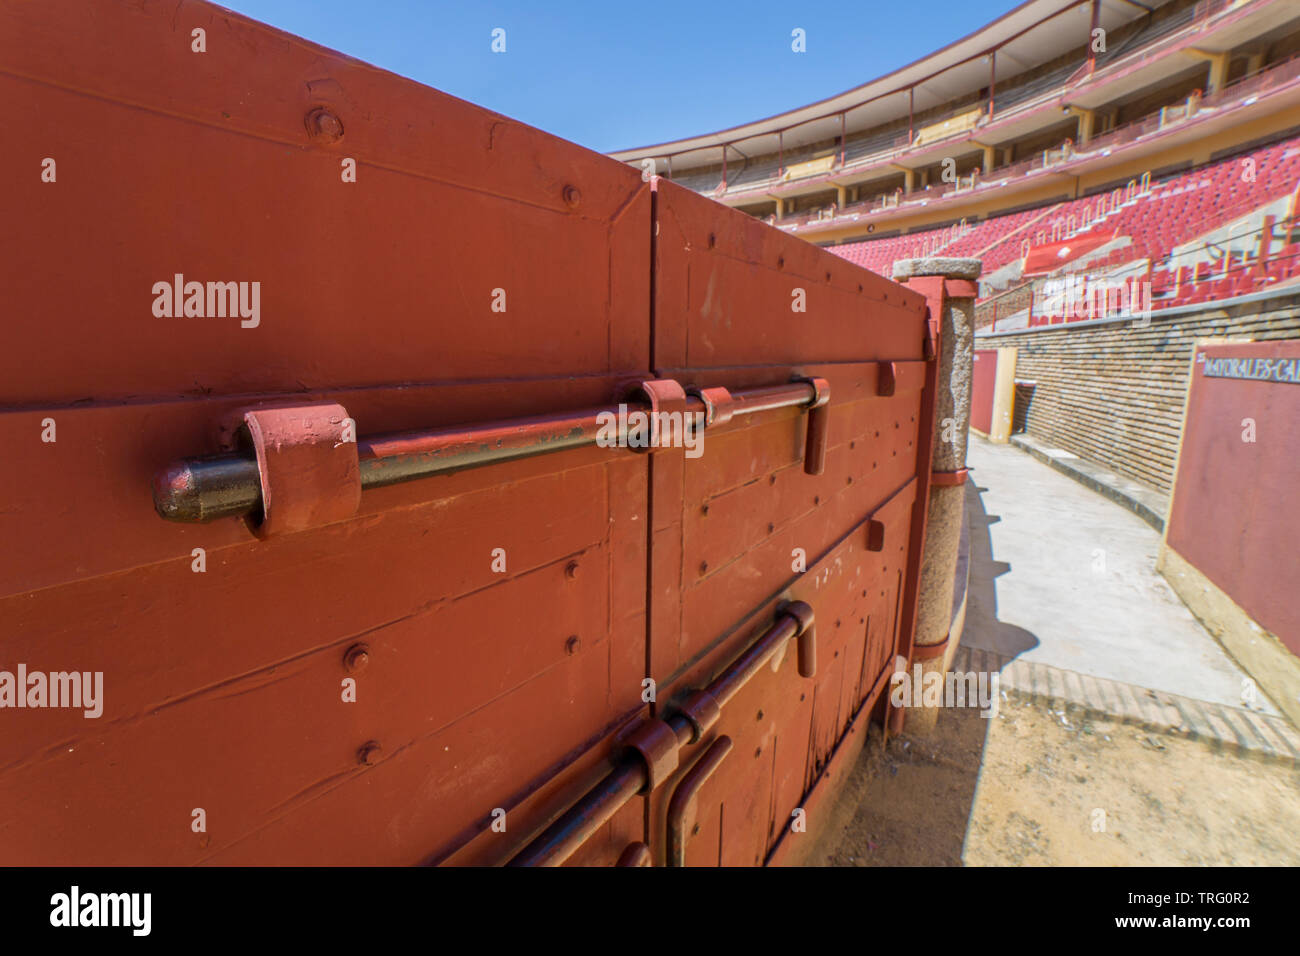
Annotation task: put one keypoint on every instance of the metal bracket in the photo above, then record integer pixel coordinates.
(666, 397)
(719, 406)
(657, 744)
(886, 379)
(306, 463)
(928, 652)
(702, 710)
(805, 636)
(814, 454)
(948, 479)
(932, 338)
(875, 535)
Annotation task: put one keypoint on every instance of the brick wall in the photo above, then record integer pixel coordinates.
(1113, 393)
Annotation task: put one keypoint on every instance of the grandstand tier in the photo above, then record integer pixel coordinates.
(1166, 152)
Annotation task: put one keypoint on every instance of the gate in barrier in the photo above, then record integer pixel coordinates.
(310, 397)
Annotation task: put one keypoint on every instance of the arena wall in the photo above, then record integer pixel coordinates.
(1113, 391)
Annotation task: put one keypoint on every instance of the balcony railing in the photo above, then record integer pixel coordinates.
(902, 143)
(1271, 78)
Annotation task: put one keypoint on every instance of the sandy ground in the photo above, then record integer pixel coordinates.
(1033, 788)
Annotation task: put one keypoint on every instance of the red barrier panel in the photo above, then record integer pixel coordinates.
(984, 379)
(1232, 515)
(430, 670)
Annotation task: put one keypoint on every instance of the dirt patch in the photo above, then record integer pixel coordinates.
(1032, 787)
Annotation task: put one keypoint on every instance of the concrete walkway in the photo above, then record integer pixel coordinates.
(1063, 577)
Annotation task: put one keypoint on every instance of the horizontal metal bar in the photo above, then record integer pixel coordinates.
(795, 620)
(222, 486)
(577, 824)
(563, 837)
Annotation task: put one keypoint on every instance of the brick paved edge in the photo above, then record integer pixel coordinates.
(1230, 729)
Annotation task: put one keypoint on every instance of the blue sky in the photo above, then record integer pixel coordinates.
(612, 74)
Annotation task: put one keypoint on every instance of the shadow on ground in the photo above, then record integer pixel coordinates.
(983, 629)
(922, 788)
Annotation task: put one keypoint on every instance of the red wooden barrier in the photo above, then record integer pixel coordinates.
(376, 687)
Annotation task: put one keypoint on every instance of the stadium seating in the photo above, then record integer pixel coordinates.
(1150, 223)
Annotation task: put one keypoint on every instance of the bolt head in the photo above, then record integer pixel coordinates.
(369, 753)
(571, 570)
(571, 645)
(357, 657)
(324, 126)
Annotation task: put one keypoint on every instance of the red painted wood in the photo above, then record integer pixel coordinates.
(483, 688)
(730, 520)
(1233, 516)
(984, 379)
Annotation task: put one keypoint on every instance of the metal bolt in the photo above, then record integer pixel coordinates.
(571, 570)
(369, 753)
(356, 657)
(571, 645)
(760, 715)
(324, 125)
(704, 566)
(572, 197)
(695, 830)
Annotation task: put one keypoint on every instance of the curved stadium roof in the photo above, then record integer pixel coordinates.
(1027, 36)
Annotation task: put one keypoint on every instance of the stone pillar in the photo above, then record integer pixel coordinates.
(780, 208)
(841, 196)
(909, 181)
(950, 288)
(990, 157)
